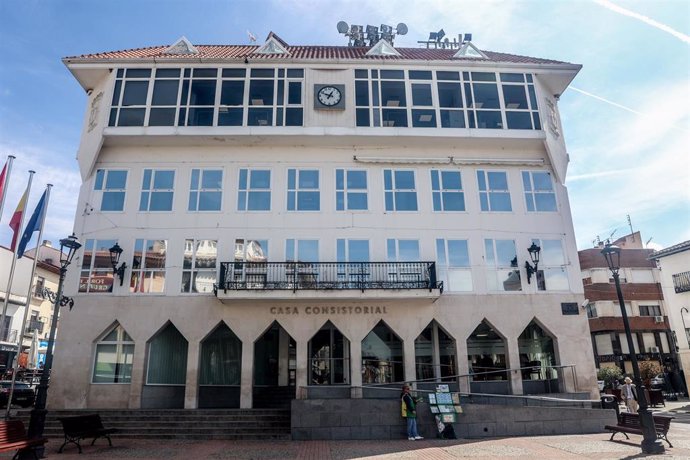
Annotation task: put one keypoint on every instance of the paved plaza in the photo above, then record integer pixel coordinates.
(594, 446)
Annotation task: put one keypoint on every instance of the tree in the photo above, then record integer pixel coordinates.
(609, 375)
(648, 369)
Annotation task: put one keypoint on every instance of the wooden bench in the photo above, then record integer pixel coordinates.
(84, 426)
(630, 423)
(13, 436)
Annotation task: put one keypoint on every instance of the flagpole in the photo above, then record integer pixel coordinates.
(10, 158)
(14, 261)
(20, 340)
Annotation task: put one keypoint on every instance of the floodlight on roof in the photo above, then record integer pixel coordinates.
(358, 34)
(468, 37)
(432, 36)
(440, 34)
(386, 29)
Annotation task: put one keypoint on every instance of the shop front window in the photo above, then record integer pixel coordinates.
(329, 355)
(382, 356)
(486, 354)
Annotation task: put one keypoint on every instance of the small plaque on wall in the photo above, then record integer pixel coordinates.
(570, 308)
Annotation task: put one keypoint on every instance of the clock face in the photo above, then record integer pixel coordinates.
(329, 96)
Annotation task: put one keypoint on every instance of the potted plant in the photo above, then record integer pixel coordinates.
(648, 370)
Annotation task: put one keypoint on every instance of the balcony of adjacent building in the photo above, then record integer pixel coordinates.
(681, 282)
(332, 280)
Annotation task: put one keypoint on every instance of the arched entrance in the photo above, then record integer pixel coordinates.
(275, 356)
(166, 370)
(220, 367)
(329, 357)
(435, 355)
(537, 357)
(487, 360)
(382, 357)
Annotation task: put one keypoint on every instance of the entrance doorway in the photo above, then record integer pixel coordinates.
(275, 363)
(329, 355)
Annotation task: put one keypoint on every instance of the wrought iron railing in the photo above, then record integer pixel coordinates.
(294, 276)
(681, 282)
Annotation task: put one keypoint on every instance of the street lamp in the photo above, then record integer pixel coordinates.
(115, 253)
(650, 443)
(534, 251)
(39, 412)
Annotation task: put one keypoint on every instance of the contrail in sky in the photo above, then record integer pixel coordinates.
(645, 19)
(615, 104)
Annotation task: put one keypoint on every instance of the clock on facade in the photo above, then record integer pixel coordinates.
(329, 96)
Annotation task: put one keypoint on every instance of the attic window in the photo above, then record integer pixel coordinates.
(468, 50)
(182, 46)
(272, 46)
(383, 48)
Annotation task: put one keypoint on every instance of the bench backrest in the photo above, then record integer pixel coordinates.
(661, 422)
(12, 431)
(81, 423)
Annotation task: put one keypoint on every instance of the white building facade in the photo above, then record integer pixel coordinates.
(307, 220)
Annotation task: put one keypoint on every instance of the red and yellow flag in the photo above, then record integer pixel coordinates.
(16, 220)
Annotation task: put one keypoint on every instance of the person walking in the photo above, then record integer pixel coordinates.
(409, 411)
(629, 395)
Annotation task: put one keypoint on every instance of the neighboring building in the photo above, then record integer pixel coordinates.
(40, 309)
(674, 263)
(305, 220)
(644, 305)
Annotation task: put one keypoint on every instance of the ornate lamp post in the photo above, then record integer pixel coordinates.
(685, 329)
(650, 443)
(39, 412)
(534, 252)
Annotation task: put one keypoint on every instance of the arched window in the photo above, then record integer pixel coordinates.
(486, 354)
(435, 356)
(167, 363)
(329, 355)
(536, 354)
(382, 356)
(221, 358)
(113, 360)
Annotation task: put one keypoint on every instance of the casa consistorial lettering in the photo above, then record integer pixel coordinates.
(331, 310)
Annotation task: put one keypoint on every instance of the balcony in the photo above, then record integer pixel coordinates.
(34, 325)
(681, 282)
(318, 280)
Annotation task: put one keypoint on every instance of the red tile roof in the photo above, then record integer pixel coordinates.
(239, 52)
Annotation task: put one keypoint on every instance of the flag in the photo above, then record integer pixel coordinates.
(16, 220)
(34, 225)
(3, 180)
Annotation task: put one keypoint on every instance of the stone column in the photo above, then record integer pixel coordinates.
(247, 374)
(136, 387)
(356, 369)
(408, 356)
(302, 370)
(514, 362)
(192, 381)
(463, 366)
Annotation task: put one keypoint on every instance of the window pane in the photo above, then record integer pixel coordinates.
(393, 94)
(293, 116)
(203, 92)
(131, 117)
(260, 92)
(200, 117)
(404, 180)
(497, 180)
(260, 179)
(363, 117)
(515, 97)
(489, 120)
(519, 120)
(458, 255)
(449, 95)
(453, 201)
(358, 250)
(211, 178)
(357, 179)
(260, 117)
(545, 201)
(232, 92)
(357, 201)
(116, 179)
(505, 253)
(161, 201)
(165, 92)
(542, 181)
(424, 118)
(294, 92)
(162, 117)
(113, 201)
(485, 96)
(308, 201)
(405, 201)
(361, 93)
(163, 179)
(451, 179)
(135, 93)
(421, 94)
(230, 117)
(499, 201)
(420, 75)
(397, 118)
(209, 201)
(452, 119)
(259, 201)
(308, 179)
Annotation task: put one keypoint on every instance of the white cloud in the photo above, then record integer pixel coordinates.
(645, 19)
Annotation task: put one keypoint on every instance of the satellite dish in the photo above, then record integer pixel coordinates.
(343, 28)
(402, 28)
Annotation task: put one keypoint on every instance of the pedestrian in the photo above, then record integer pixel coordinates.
(409, 411)
(629, 395)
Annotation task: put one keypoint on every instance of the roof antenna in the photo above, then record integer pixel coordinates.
(632, 233)
(647, 243)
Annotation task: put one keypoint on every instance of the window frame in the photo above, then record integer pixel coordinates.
(193, 270)
(152, 190)
(345, 190)
(200, 189)
(394, 190)
(248, 190)
(297, 190)
(119, 345)
(531, 194)
(146, 273)
(91, 244)
(101, 192)
(488, 190)
(443, 190)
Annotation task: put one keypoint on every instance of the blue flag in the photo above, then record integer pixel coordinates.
(34, 225)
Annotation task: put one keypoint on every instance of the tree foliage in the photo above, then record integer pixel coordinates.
(609, 375)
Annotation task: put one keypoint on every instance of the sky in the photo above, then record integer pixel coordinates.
(625, 117)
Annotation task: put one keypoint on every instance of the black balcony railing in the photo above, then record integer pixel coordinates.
(295, 276)
(35, 325)
(681, 282)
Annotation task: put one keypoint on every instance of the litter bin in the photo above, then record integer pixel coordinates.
(609, 402)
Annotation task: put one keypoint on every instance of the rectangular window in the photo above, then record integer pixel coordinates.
(303, 190)
(353, 251)
(650, 310)
(166, 87)
(539, 193)
(130, 97)
(481, 92)
(40, 284)
(402, 250)
(454, 265)
(96, 268)
(604, 344)
(199, 265)
(148, 266)
(591, 310)
(254, 191)
(520, 101)
(157, 190)
(231, 109)
(450, 99)
(447, 194)
(400, 191)
(552, 272)
(198, 97)
(254, 274)
(351, 190)
(112, 184)
(502, 266)
(301, 250)
(206, 190)
(494, 194)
